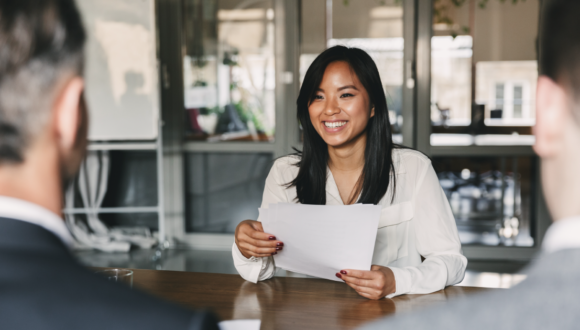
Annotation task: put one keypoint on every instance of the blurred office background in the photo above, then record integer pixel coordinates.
(192, 100)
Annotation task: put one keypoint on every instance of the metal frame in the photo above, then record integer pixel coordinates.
(409, 72)
(422, 129)
(481, 151)
(169, 25)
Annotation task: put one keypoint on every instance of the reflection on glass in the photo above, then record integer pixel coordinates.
(451, 80)
(518, 102)
(484, 69)
(374, 26)
(507, 90)
(223, 189)
(490, 198)
(229, 75)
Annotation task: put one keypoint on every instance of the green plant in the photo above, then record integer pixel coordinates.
(250, 115)
(440, 11)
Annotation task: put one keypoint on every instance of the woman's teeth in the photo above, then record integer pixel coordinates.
(334, 124)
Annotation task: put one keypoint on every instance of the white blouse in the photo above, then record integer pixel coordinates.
(418, 223)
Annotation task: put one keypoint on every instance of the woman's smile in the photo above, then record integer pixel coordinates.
(341, 109)
(335, 126)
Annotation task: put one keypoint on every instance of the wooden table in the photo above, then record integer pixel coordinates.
(283, 302)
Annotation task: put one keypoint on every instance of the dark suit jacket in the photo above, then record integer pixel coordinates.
(42, 286)
(549, 298)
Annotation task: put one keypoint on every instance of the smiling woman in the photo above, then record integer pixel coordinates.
(348, 157)
(343, 85)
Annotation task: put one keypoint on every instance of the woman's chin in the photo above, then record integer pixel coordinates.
(335, 142)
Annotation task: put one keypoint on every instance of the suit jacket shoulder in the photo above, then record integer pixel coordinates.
(43, 287)
(547, 299)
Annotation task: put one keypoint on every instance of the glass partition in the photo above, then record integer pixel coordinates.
(228, 69)
(223, 189)
(490, 198)
(483, 72)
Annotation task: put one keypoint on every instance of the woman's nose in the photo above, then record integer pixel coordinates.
(331, 108)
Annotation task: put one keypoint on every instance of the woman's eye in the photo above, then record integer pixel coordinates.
(346, 95)
(318, 97)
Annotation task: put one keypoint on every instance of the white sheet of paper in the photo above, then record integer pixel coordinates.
(320, 240)
(240, 325)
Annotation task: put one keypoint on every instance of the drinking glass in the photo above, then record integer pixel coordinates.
(118, 275)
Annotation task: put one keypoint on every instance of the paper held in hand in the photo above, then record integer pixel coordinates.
(321, 240)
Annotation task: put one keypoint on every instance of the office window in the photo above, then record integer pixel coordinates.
(483, 71)
(228, 68)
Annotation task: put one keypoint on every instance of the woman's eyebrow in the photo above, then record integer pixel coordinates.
(347, 87)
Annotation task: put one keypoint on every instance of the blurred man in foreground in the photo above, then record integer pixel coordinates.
(43, 127)
(550, 296)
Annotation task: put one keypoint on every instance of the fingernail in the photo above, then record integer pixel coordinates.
(272, 238)
(338, 275)
(343, 272)
(279, 248)
(274, 253)
(280, 244)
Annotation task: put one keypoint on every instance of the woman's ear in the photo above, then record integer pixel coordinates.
(373, 111)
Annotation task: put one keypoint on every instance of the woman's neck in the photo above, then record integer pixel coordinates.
(350, 157)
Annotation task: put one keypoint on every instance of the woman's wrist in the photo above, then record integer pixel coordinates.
(390, 281)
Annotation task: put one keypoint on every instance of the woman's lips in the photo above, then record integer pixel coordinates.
(335, 126)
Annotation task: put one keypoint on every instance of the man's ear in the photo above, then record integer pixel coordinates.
(551, 108)
(66, 112)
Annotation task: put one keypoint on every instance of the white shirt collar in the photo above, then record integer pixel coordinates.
(562, 234)
(18, 209)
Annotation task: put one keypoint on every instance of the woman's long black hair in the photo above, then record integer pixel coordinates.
(310, 182)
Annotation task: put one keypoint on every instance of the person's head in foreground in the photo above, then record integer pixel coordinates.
(557, 127)
(43, 134)
(550, 295)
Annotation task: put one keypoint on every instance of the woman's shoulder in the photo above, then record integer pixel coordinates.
(286, 165)
(405, 157)
(287, 161)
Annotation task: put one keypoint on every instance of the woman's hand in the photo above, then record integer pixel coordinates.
(373, 284)
(253, 242)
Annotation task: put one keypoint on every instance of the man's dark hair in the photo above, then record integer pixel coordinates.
(560, 43)
(41, 42)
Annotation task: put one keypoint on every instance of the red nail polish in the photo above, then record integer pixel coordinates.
(343, 272)
(279, 248)
(272, 238)
(280, 244)
(338, 275)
